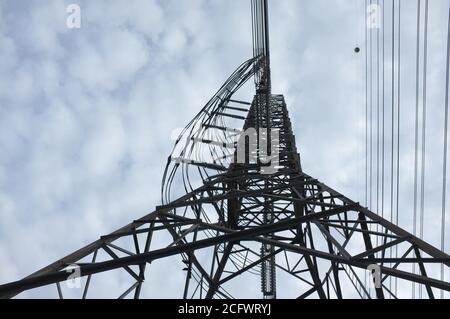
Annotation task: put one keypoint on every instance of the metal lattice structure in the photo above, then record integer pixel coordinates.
(228, 215)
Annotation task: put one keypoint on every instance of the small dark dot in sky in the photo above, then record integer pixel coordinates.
(357, 49)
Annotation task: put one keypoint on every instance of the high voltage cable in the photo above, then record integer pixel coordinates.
(416, 132)
(371, 116)
(383, 118)
(371, 107)
(367, 103)
(444, 168)
(424, 127)
(367, 112)
(420, 129)
(378, 118)
(392, 113)
(398, 122)
(377, 140)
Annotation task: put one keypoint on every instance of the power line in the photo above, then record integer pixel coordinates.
(383, 118)
(378, 119)
(424, 127)
(444, 168)
(367, 115)
(398, 122)
(367, 103)
(392, 113)
(371, 114)
(383, 122)
(416, 133)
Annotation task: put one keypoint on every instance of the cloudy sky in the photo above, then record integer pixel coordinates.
(86, 115)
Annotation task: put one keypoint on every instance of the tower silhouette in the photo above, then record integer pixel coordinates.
(237, 206)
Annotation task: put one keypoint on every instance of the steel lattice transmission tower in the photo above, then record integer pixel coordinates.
(245, 209)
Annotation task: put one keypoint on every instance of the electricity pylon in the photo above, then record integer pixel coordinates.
(244, 209)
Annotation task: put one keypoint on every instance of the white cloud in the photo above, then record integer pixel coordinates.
(105, 143)
(114, 59)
